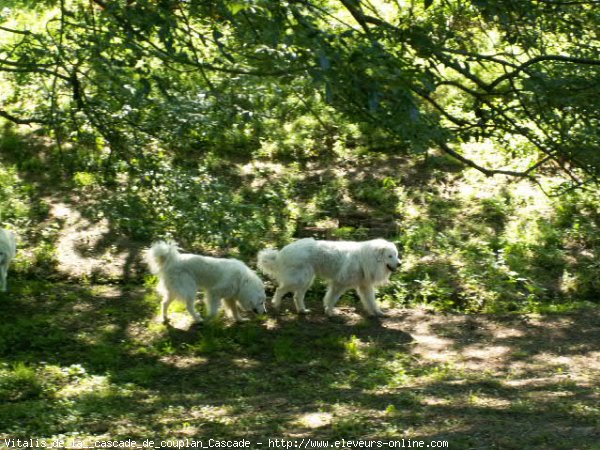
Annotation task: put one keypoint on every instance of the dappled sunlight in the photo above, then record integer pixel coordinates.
(462, 132)
(482, 400)
(77, 246)
(245, 363)
(308, 375)
(180, 319)
(314, 420)
(93, 385)
(481, 352)
(432, 347)
(270, 168)
(203, 413)
(189, 362)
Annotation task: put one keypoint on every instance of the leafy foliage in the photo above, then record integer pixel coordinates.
(121, 75)
(233, 125)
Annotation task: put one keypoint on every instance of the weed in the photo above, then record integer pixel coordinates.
(19, 383)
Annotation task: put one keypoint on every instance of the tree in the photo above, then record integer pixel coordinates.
(427, 73)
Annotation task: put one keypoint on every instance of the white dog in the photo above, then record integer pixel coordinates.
(229, 280)
(8, 249)
(345, 265)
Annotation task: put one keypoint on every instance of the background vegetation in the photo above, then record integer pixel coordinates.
(462, 130)
(467, 132)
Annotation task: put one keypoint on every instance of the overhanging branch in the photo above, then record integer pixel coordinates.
(34, 69)
(167, 56)
(12, 30)
(491, 172)
(20, 121)
(538, 59)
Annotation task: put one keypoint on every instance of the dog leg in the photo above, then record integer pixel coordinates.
(212, 302)
(334, 291)
(279, 293)
(367, 297)
(167, 299)
(189, 305)
(299, 301)
(233, 310)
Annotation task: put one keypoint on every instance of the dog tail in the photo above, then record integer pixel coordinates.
(267, 261)
(161, 254)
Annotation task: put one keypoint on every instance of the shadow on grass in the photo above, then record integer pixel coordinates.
(93, 361)
(555, 335)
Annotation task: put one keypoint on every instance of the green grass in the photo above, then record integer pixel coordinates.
(468, 243)
(93, 363)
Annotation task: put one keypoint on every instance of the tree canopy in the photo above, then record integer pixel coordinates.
(125, 74)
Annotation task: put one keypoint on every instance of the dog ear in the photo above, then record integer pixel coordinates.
(381, 254)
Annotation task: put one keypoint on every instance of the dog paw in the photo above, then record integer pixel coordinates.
(330, 312)
(304, 311)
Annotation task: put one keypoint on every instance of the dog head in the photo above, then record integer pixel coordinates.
(252, 294)
(387, 254)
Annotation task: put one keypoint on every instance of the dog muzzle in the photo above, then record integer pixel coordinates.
(391, 268)
(261, 310)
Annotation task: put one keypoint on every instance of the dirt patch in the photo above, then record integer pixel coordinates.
(90, 250)
(504, 345)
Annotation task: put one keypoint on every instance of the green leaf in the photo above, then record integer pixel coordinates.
(236, 7)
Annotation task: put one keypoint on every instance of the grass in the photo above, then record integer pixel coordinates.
(89, 361)
(92, 364)
(468, 243)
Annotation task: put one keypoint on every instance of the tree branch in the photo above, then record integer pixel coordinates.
(353, 8)
(12, 30)
(538, 59)
(491, 172)
(35, 70)
(478, 57)
(20, 64)
(441, 110)
(19, 121)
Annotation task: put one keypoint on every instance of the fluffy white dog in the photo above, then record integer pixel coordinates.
(345, 265)
(8, 249)
(229, 280)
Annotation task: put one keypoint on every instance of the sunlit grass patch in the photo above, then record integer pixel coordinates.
(52, 395)
(19, 382)
(84, 385)
(354, 348)
(315, 420)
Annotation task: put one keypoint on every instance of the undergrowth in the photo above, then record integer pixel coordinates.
(468, 243)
